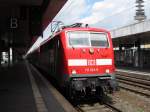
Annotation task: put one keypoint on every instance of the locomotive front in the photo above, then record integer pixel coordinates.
(90, 61)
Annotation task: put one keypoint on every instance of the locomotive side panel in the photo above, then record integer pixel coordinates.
(50, 58)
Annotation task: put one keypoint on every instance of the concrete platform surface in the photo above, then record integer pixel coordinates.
(15, 90)
(22, 89)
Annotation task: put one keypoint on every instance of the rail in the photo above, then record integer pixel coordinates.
(101, 105)
(134, 83)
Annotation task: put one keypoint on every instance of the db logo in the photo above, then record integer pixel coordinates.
(91, 62)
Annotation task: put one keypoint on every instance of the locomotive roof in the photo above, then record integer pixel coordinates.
(85, 29)
(76, 29)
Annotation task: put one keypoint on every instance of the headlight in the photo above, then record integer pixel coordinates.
(74, 72)
(91, 51)
(107, 71)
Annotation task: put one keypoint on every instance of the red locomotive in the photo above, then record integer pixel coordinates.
(81, 59)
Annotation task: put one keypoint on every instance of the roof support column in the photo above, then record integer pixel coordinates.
(138, 55)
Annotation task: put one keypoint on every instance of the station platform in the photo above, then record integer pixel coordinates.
(23, 89)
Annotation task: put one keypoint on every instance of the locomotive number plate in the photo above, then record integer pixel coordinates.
(91, 70)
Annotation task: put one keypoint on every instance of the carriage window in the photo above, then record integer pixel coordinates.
(98, 40)
(87, 39)
(79, 39)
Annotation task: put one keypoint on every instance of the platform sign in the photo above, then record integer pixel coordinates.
(13, 23)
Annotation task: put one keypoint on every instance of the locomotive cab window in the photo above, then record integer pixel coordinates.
(87, 39)
(78, 39)
(99, 40)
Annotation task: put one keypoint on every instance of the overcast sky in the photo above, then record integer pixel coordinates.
(99, 13)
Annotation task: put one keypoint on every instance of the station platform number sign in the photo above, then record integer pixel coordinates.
(13, 23)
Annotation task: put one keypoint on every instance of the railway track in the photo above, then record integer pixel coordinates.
(134, 82)
(105, 107)
(101, 106)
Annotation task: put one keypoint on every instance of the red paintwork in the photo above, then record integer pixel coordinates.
(77, 53)
(64, 72)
